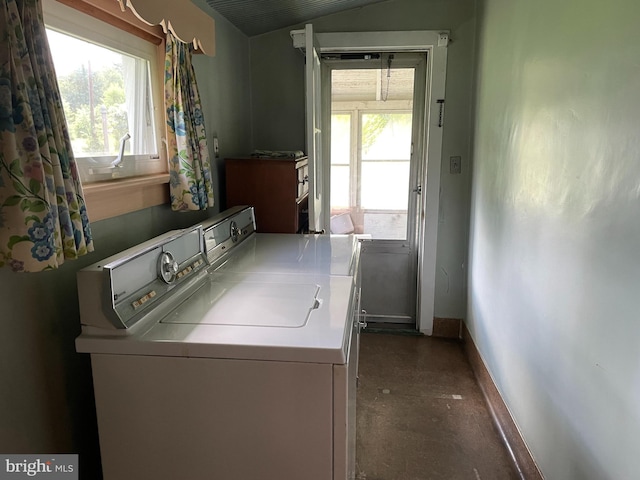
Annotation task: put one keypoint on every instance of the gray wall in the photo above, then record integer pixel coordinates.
(554, 279)
(46, 399)
(278, 111)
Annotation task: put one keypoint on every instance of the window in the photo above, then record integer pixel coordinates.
(109, 87)
(340, 161)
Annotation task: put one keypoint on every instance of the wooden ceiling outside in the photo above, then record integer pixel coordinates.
(371, 84)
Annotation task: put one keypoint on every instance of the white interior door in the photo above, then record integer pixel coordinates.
(314, 130)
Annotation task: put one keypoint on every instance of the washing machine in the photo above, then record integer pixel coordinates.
(217, 355)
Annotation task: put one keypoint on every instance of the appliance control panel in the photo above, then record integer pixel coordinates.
(120, 290)
(223, 233)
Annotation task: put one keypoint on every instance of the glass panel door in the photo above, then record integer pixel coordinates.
(374, 174)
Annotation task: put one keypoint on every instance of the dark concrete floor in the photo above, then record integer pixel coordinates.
(421, 414)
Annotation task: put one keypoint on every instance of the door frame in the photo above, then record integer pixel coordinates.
(435, 43)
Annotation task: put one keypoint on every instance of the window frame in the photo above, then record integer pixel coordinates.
(110, 198)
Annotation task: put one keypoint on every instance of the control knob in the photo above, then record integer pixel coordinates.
(167, 267)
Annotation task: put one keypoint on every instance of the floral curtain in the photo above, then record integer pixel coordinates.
(189, 165)
(43, 218)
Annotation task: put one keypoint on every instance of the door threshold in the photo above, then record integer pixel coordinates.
(393, 329)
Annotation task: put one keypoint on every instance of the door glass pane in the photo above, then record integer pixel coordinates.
(384, 186)
(386, 136)
(386, 151)
(371, 127)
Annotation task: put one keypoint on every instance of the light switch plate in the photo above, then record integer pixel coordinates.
(455, 165)
(216, 147)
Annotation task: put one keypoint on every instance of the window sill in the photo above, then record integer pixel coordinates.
(117, 197)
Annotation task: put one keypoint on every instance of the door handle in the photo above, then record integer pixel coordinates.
(418, 190)
(362, 324)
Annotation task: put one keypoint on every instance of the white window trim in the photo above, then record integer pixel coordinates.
(66, 19)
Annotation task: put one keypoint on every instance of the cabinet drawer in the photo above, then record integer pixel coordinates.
(303, 180)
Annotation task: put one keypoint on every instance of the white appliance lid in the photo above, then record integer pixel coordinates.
(228, 302)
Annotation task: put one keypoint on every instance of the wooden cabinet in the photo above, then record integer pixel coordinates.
(278, 188)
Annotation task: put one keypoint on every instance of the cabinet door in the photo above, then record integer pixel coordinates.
(277, 194)
(270, 187)
(242, 183)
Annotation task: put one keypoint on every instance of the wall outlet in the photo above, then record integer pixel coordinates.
(455, 165)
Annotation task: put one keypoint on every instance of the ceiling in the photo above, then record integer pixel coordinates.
(254, 17)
